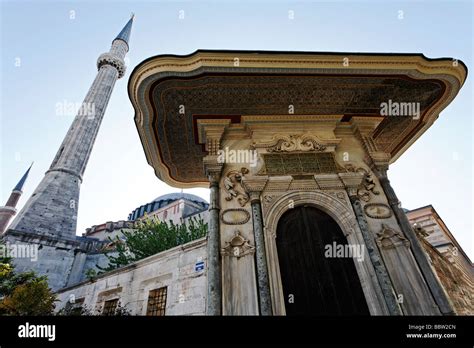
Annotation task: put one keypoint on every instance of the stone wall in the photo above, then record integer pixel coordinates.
(56, 257)
(174, 268)
(460, 289)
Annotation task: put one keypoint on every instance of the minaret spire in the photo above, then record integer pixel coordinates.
(124, 34)
(19, 186)
(9, 210)
(52, 209)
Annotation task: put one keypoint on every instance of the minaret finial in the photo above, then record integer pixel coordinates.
(19, 186)
(124, 35)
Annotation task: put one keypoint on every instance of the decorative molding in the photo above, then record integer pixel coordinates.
(243, 220)
(238, 246)
(390, 238)
(233, 186)
(291, 143)
(280, 183)
(378, 210)
(329, 181)
(112, 60)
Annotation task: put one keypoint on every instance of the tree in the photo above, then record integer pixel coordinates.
(151, 237)
(22, 293)
(31, 298)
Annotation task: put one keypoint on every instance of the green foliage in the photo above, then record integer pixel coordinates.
(23, 293)
(71, 309)
(31, 298)
(152, 237)
(91, 273)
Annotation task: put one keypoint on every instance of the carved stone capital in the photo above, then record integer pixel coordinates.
(380, 162)
(352, 181)
(212, 168)
(254, 196)
(254, 184)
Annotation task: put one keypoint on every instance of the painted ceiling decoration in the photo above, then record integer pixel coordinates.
(171, 93)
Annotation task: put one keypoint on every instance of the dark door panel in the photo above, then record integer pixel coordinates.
(313, 283)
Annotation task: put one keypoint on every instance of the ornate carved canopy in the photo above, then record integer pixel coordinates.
(172, 94)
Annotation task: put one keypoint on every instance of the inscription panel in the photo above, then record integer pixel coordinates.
(298, 164)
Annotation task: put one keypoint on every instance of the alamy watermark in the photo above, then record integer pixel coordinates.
(67, 108)
(19, 251)
(392, 108)
(237, 156)
(335, 250)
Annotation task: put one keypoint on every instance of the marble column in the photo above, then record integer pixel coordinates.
(214, 272)
(260, 255)
(427, 271)
(381, 272)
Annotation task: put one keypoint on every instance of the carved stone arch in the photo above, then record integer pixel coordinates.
(319, 199)
(346, 220)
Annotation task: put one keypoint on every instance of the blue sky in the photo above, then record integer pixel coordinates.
(57, 51)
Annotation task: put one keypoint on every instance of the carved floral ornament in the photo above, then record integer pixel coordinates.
(291, 143)
(368, 185)
(238, 246)
(233, 186)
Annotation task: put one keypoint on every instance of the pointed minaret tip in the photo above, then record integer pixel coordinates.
(124, 35)
(21, 183)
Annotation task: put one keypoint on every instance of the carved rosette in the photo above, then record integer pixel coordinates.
(237, 247)
(267, 199)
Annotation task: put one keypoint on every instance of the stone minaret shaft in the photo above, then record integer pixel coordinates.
(9, 210)
(52, 209)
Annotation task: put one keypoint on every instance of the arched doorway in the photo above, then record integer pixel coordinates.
(312, 283)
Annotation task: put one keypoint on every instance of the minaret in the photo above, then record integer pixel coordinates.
(8, 211)
(52, 208)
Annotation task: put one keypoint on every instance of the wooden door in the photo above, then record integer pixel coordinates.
(312, 283)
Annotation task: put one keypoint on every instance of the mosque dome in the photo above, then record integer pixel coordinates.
(165, 200)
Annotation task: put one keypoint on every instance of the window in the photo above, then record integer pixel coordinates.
(75, 306)
(110, 307)
(157, 302)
